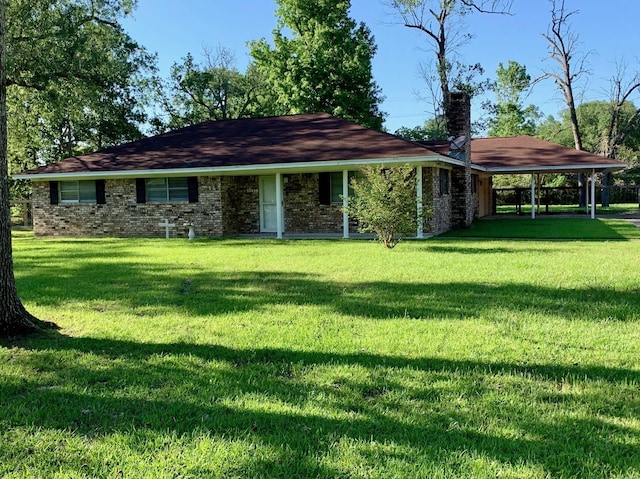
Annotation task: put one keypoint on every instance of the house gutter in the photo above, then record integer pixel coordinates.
(559, 168)
(284, 168)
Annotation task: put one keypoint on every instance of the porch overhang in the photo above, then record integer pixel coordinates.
(245, 170)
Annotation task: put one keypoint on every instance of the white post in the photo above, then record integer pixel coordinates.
(420, 232)
(593, 194)
(533, 196)
(345, 203)
(279, 206)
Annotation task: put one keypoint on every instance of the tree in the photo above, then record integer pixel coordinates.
(434, 129)
(510, 116)
(325, 64)
(597, 134)
(48, 44)
(595, 119)
(571, 65)
(624, 122)
(14, 318)
(441, 21)
(89, 98)
(385, 202)
(215, 90)
(563, 44)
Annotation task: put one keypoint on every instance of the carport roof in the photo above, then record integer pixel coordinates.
(527, 154)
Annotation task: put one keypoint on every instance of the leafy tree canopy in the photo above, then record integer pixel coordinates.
(323, 66)
(213, 90)
(75, 79)
(509, 116)
(595, 119)
(434, 129)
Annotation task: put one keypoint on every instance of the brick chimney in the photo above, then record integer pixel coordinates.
(459, 128)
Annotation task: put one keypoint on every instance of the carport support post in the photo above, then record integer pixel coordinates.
(533, 196)
(593, 194)
(420, 232)
(345, 203)
(279, 206)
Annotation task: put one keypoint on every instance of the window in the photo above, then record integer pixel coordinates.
(330, 185)
(444, 181)
(77, 191)
(160, 190)
(336, 187)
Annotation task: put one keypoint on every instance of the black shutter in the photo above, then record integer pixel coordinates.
(141, 190)
(324, 185)
(53, 192)
(100, 192)
(192, 183)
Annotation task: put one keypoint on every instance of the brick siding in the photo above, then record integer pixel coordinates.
(121, 216)
(227, 206)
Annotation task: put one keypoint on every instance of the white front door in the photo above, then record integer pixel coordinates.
(268, 205)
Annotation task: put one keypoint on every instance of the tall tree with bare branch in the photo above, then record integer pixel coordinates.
(622, 122)
(441, 21)
(570, 66)
(570, 63)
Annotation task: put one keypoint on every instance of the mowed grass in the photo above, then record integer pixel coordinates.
(613, 209)
(443, 358)
(550, 228)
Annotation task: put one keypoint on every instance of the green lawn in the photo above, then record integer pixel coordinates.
(613, 209)
(550, 228)
(449, 357)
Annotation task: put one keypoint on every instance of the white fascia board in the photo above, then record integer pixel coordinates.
(535, 169)
(302, 167)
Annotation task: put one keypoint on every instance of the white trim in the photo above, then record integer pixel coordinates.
(533, 196)
(593, 194)
(527, 169)
(420, 232)
(305, 167)
(302, 167)
(261, 194)
(345, 203)
(279, 206)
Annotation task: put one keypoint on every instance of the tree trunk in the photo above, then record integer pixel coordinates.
(14, 318)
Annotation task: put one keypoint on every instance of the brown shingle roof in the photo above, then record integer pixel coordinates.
(260, 141)
(529, 152)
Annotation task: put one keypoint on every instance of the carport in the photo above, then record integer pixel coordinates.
(518, 155)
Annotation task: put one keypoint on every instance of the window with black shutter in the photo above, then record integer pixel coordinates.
(100, 192)
(53, 193)
(192, 186)
(141, 190)
(324, 186)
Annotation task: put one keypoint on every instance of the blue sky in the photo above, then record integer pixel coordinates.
(174, 28)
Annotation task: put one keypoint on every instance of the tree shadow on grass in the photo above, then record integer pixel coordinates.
(302, 403)
(154, 289)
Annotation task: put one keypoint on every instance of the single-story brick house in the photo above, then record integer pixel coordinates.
(278, 176)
